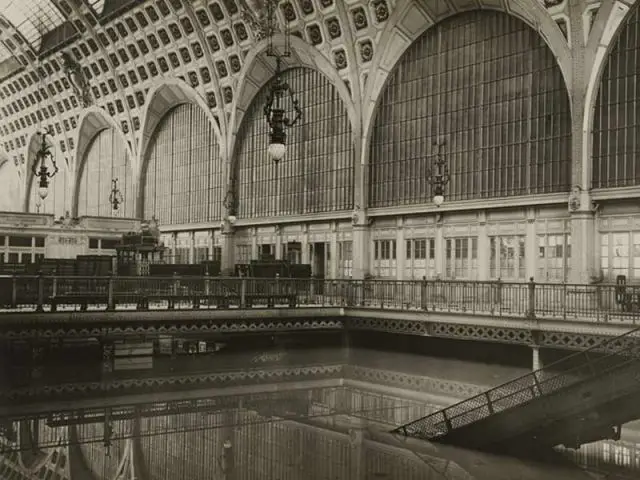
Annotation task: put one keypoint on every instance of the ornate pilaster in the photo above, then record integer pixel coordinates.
(361, 243)
(227, 259)
(583, 234)
(580, 205)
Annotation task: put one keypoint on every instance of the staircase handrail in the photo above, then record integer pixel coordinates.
(532, 382)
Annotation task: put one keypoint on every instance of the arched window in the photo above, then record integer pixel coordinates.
(316, 174)
(488, 86)
(184, 175)
(106, 159)
(616, 127)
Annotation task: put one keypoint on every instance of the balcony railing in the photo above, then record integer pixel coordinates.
(596, 303)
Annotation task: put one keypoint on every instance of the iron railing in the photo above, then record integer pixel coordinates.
(597, 303)
(571, 370)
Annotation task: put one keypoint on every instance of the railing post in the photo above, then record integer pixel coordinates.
(39, 306)
(243, 293)
(447, 422)
(173, 292)
(14, 292)
(111, 305)
(489, 403)
(531, 310)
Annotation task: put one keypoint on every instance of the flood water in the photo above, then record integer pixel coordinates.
(265, 408)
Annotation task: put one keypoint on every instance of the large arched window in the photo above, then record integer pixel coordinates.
(106, 159)
(489, 87)
(616, 128)
(316, 174)
(184, 175)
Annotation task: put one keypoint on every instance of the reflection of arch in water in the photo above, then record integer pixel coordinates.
(92, 457)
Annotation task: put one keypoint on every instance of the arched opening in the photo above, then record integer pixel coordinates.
(182, 179)
(106, 158)
(317, 172)
(489, 87)
(616, 126)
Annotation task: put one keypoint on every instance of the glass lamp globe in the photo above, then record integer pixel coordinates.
(277, 151)
(43, 192)
(232, 219)
(438, 200)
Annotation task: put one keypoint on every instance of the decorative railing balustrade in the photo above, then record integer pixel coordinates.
(620, 352)
(600, 303)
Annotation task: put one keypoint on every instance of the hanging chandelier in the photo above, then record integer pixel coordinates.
(438, 177)
(281, 98)
(276, 115)
(39, 167)
(115, 197)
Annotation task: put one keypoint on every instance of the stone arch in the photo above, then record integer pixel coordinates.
(491, 107)
(317, 174)
(160, 100)
(257, 71)
(408, 24)
(607, 27)
(92, 122)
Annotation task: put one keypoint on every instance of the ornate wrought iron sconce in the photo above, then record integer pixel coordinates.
(276, 108)
(115, 197)
(276, 114)
(229, 204)
(438, 177)
(42, 171)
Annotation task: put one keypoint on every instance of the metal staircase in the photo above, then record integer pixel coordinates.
(581, 398)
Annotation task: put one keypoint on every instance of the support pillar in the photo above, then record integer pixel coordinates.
(227, 259)
(537, 361)
(401, 249)
(483, 246)
(583, 232)
(361, 244)
(226, 448)
(583, 241)
(357, 469)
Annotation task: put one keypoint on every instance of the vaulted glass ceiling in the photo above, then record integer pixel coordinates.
(33, 19)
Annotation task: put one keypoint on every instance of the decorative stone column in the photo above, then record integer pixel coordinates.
(227, 259)
(583, 235)
(361, 243)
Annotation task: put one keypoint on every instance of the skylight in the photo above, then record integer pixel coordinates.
(32, 18)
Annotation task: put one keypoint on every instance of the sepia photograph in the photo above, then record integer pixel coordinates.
(319, 239)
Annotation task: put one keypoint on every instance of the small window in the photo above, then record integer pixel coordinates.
(39, 242)
(109, 244)
(16, 241)
(93, 243)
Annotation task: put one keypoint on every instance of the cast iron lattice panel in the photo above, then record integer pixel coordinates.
(413, 327)
(583, 341)
(167, 328)
(478, 332)
(221, 379)
(412, 382)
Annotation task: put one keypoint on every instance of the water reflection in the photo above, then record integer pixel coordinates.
(269, 411)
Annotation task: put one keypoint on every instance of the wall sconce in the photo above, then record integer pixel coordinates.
(42, 172)
(115, 197)
(438, 177)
